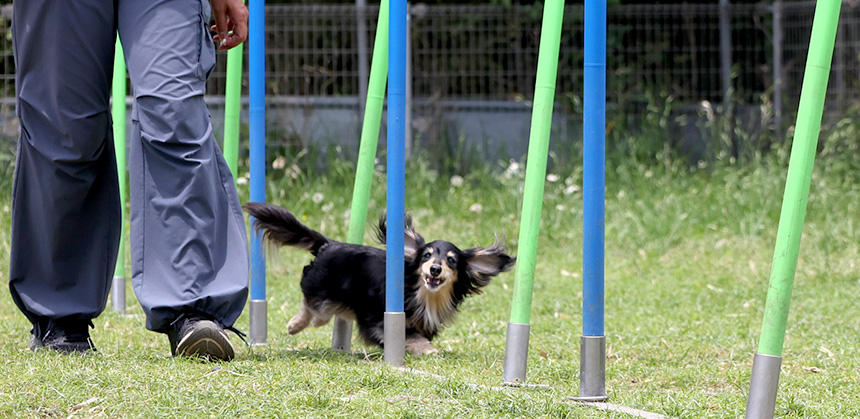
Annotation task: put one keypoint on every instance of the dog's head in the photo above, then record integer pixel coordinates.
(440, 265)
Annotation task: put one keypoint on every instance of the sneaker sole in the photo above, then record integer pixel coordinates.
(66, 347)
(207, 341)
(35, 343)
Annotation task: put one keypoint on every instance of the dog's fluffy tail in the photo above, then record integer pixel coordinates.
(282, 227)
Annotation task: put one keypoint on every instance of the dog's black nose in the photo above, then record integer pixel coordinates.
(435, 270)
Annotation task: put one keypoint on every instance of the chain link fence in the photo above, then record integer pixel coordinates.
(490, 52)
(484, 57)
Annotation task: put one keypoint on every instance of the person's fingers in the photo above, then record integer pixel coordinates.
(230, 25)
(219, 10)
(237, 15)
(216, 37)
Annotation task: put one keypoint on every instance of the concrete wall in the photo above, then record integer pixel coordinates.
(488, 130)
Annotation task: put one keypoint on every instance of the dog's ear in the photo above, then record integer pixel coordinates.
(483, 263)
(412, 241)
(380, 229)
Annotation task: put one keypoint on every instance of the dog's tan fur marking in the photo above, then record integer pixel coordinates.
(317, 317)
(301, 320)
(419, 345)
(322, 314)
(412, 241)
(320, 320)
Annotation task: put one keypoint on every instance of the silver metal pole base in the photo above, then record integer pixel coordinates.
(341, 335)
(516, 353)
(394, 338)
(257, 323)
(117, 293)
(763, 385)
(592, 369)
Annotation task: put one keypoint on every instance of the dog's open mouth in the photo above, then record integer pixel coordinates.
(433, 282)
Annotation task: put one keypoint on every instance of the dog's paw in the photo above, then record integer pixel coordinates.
(424, 350)
(420, 346)
(429, 350)
(297, 324)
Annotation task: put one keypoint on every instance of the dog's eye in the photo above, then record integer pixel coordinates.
(452, 261)
(426, 256)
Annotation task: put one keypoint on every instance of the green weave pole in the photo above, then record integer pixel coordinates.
(233, 107)
(799, 176)
(537, 157)
(370, 128)
(118, 116)
(342, 333)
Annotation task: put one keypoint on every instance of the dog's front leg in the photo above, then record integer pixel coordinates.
(419, 345)
(321, 319)
(301, 320)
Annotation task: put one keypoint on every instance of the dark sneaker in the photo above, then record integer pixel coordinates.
(68, 336)
(193, 335)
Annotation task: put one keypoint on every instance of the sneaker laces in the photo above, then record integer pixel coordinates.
(78, 330)
(238, 333)
(73, 330)
(187, 316)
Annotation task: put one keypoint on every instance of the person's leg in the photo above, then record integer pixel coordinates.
(188, 239)
(65, 199)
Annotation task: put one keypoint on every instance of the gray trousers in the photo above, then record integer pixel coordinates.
(188, 239)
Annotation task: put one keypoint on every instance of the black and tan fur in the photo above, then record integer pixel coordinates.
(348, 280)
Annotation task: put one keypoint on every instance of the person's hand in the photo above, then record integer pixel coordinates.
(231, 23)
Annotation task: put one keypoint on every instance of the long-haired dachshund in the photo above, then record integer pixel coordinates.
(348, 280)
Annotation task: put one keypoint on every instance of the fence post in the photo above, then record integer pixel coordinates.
(839, 68)
(726, 52)
(361, 42)
(777, 67)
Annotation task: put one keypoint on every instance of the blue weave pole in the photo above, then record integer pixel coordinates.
(257, 132)
(394, 315)
(594, 123)
(592, 365)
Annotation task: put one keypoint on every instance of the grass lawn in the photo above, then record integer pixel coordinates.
(687, 263)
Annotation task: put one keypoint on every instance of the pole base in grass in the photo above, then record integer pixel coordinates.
(341, 335)
(763, 385)
(394, 338)
(516, 353)
(589, 399)
(592, 369)
(257, 319)
(117, 293)
(528, 386)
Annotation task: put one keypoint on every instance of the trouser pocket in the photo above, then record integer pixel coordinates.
(207, 47)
